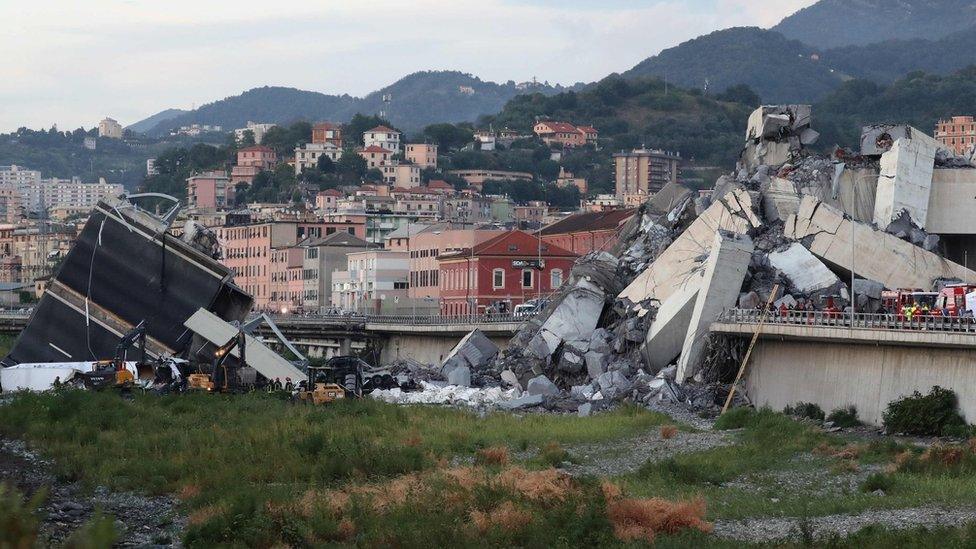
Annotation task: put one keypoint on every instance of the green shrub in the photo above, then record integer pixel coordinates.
(844, 417)
(18, 518)
(97, 532)
(934, 414)
(806, 410)
(737, 418)
(877, 481)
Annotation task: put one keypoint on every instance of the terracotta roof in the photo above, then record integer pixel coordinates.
(256, 148)
(376, 149)
(524, 244)
(439, 184)
(382, 129)
(560, 127)
(587, 129)
(331, 192)
(589, 221)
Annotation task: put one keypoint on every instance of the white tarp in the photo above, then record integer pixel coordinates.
(38, 376)
(267, 362)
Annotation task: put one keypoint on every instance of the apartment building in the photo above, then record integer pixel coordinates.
(382, 137)
(957, 133)
(67, 193)
(108, 127)
(423, 155)
(327, 132)
(307, 155)
(642, 172)
(210, 190)
(375, 282)
(321, 257)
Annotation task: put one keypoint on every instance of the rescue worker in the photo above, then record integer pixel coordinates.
(57, 383)
(289, 386)
(277, 384)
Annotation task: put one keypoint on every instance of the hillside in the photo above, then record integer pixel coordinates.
(417, 100)
(634, 112)
(778, 69)
(888, 61)
(147, 124)
(836, 23)
(919, 99)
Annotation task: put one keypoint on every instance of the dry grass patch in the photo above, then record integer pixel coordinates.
(495, 455)
(668, 432)
(507, 516)
(643, 519)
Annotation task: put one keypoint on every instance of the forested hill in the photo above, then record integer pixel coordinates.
(411, 103)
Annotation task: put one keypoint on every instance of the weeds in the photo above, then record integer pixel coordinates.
(276, 455)
(554, 455)
(19, 520)
(934, 414)
(844, 417)
(643, 519)
(805, 410)
(668, 431)
(878, 481)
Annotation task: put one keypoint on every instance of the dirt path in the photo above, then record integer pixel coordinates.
(142, 521)
(761, 530)
(627, 455)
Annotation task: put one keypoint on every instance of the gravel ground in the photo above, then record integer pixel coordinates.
(142, 521)
(626, 455)
(808, 475)
(779, 529)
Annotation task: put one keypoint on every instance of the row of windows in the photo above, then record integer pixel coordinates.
(424, 278)
(414, 254)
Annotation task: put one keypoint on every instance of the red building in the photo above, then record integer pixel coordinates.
(501, 272)
(583, 233)
(327, 132)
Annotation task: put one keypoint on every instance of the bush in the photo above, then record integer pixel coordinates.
(18, 518)
(806, 410)
(736, 418)
(934, 414)
(844, 417)
(877, 481)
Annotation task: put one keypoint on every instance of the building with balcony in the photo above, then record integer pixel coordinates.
(957, 133)
(642, 172)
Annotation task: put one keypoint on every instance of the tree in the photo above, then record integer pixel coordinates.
(352, 133)
(351, 167)
(374, 176)
(741, 93)
(448, 136)
(325, 164)
(248, 138)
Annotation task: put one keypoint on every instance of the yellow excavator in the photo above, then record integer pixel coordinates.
(341, 377)
(113, 373)
(220, 376)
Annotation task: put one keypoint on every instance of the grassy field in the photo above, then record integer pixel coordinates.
(258, 471)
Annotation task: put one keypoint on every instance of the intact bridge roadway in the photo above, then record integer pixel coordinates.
(866, 360)
(423, 338)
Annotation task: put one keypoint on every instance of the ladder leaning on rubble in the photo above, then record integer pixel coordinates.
(752, 344)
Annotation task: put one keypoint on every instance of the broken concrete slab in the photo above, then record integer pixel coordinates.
(952, 202)
(259, 356)
(460, 376)
(576, 316)
(667, 333)
(724, 273)
(877, 139)
(584, 410)
(780, 199)
(540, 385)
(474, 350)
(614, 385)
(878, 255)
(869, 288)
(905, 180)
(685, 255)
(525, 401)
(596, 363)
(807, 273)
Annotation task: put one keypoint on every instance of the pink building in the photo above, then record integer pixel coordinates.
(287, 284)
(327, 200)
(257, 156)
(248, 249)
(375, 156)
(209, 190)
(426, 246)
(422, 154)
(564, 133)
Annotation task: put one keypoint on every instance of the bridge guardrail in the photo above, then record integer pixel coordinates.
(873, 321)
(403, 320)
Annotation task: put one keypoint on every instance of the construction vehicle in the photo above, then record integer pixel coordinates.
(222, 377)
(114, 373)
(341, 377)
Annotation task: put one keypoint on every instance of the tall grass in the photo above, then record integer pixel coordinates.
(232, 458)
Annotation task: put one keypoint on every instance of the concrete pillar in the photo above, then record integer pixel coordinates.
(724, 272)
(906, 180)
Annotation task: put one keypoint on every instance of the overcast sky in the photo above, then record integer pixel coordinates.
(71, 62)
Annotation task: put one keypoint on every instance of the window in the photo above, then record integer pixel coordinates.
(498, 278)
(527, 278)
(556, 278)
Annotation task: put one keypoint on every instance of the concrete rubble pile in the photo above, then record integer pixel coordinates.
(634, 324)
